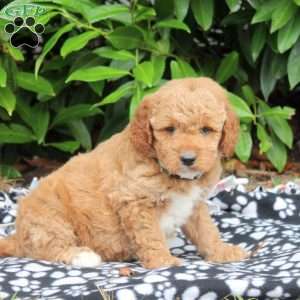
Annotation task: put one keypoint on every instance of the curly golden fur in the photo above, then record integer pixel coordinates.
(124, 199)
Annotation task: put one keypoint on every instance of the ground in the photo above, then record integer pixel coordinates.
(258, 170)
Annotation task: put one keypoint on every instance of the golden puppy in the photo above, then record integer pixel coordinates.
(126, 198)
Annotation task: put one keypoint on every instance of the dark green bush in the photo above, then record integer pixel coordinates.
(97, 61)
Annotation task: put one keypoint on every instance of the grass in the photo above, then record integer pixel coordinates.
(105, 295)
(233, 297)
(13, 297)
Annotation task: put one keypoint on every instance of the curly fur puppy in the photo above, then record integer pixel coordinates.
(125, 199)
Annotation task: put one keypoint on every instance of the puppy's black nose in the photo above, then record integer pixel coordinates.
(188, 159)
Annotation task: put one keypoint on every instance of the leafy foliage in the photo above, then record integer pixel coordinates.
(97, 61)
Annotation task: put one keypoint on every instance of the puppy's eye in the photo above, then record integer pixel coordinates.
(206, 130)
(170, 129)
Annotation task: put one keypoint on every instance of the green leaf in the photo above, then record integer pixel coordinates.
(77, 42)
(125, 18)
(144, 72)
(85, 59)
(234, 5)
(103, 12)
(96, 74)
(249, 95)
(282, 14)
(164, 8)
(282, 112)
(256, 3)
(15, 53)
(282, 129)
(123, 91)
(264, 11)
(15, 134)
(293, 66)
(175, 70)
(70, 5)
(203, 11)
(50, 44)
(265, 142)
(181, 69)
(122, 65)
(81, 133)
(240, 107)
(159, 46)
(110, 53)
(77, 111)
(236, 18)
(267, 80)
(244, 39)
(181, 8)
(36, 117)
(244, 145)
(186, 68)
(125, 37)
(135, 100)
(68, 146)
(278, 125)
(288, 35)
(25, 112)
(273, 68)
(97, 87)
(228, 67)
(40, 121)
(44, 19)
(297, 2)
(277, 154)
(144, 13)
(11, 69)
(39, 85)
(7, 100)
(3, 76)
(258, 40)
(9, 172)
(159, 64)
(173, 23)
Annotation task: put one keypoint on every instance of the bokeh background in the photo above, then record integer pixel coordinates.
(97, 59)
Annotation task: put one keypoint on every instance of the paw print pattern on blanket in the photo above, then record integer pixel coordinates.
(285, 207)
(273, 273)
(282, 202)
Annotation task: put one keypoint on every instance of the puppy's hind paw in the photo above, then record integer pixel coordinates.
(227, 253)
(86, 259)
(162, 261)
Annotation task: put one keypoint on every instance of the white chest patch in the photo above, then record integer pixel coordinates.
(180, 209)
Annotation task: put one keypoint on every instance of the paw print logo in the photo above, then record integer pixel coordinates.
(24, 32)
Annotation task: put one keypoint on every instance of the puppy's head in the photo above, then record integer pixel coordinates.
(185, 125)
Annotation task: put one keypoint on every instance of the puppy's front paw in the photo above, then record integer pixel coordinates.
(227, 253)
(86, 258)
(161, 261)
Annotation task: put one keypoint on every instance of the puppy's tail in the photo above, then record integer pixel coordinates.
(8, 246)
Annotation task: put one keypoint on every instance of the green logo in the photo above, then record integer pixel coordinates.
(22, 27)
(23, 10)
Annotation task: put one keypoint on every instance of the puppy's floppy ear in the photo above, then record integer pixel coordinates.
(230, 131)
(140, 128)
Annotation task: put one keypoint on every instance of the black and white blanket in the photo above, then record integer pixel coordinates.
(271, 217)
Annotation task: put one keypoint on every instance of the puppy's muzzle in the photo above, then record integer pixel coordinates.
(188, 158)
